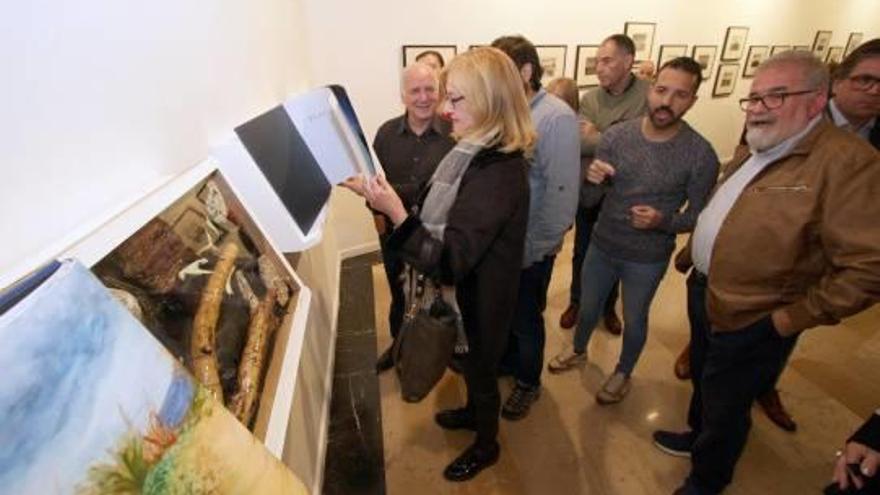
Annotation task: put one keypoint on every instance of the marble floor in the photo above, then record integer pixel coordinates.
(570, 444)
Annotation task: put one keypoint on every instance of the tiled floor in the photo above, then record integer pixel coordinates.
(570, 444)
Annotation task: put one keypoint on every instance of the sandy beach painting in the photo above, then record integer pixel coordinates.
(92, 403)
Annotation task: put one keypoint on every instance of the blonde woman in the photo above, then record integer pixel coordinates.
(469, 230)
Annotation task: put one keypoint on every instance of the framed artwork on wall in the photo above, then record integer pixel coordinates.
(471, 47)
(725, 80)
(585, 66)
(734, 43)
(642, 34)
(779, 48)
(855, 39)
(552, 59)
(705, 56)
(801, 48)
(821, 43)
(669, 52)
(412, 52)
(757, 54)
(835, 55)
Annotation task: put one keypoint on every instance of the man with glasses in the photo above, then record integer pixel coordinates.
(855, 104)
(409, 147)
(787, 242)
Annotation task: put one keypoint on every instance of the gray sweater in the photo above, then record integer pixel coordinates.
(663, 175)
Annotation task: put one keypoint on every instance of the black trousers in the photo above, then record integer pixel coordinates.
(730, 370)
(393, 271)
(525, 348)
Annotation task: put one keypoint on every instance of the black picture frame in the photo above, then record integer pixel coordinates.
(409, 53)
(668, 52)
(734, 43)
(757, 55)
(642, 35)
(585, 66)
(705, 55)
(552, 58)
(821, 44)
(725, 80)
(852, 42)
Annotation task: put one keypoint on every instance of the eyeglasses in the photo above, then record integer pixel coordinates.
(454, 100)
(864, 82)
(771, 101)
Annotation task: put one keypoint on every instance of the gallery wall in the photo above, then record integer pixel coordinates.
(358, 44)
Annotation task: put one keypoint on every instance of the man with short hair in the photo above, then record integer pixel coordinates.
(553, 194)
(657, 163)
(855, 104)
(788, 241)
(409, 147)
(620, 96)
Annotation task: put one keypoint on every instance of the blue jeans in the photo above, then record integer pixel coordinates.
(584, 222)
(639, 282)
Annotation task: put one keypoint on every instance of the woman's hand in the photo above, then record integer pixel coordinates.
(855, 454)
(382, 197)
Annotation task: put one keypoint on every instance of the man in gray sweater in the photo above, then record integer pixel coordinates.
(619, 97)
(650, 167)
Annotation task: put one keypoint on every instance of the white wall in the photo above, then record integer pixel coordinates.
(358, 44)
(103, 100)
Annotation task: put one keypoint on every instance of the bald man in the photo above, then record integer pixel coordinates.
(409, 147)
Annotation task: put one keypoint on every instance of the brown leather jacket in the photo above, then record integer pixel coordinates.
(803, 236)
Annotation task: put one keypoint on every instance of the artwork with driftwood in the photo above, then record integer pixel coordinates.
(205, 281)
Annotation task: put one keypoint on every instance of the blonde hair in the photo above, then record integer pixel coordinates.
(495, 95)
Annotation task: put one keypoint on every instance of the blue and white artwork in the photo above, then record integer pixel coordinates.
(79, 372)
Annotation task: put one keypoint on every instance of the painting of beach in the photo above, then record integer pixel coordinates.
(92, 403)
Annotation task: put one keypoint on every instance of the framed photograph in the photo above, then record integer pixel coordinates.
(642, 34)
(855, 39)
(669, 52)
(801, 48)
(835, 55)
(705, 56)
(734, 43)
(779, 49)
(585, 66)
(757, 54)
(412, 52)
(821, 44)
(471, 47)
(725, 80)
(552, 59)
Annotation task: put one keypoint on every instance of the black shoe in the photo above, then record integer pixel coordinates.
(519, 402)
(677, 444)
(472, 461)
(385, 361)
(456, 419)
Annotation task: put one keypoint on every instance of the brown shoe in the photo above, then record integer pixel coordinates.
(612, 323)
(570, 317)
(683, 364)
(773, 408)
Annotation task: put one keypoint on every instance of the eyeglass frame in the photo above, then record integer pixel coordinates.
(870, 83)
(746, 103)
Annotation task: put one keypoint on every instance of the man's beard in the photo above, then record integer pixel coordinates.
(761, 137)
(654, 115)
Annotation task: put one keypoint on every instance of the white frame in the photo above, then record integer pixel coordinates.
(669, 52)
(852, 42)
(712, 52)
(556, 53)
(821, 44)
(835, 55)
(757, 54)
(633, 29)
(581, 77)
(734, 43)
(724, 68)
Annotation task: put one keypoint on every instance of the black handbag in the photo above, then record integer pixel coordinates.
(427, 338)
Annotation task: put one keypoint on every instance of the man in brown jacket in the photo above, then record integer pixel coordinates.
(788, 241)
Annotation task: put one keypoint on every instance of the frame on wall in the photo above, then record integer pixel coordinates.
(779, 49)
(801, 48)
(552, 58)
(854, 40)
(757, 54)
(705, 56)
(585, 66)
(411, 52)
(669, 52)
(821, 43)
(734, 43)
(725, 80)
(835, 55)
(642, 35)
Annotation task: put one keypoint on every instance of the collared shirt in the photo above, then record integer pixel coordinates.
(409, 159)
(713, 215)
(554, 177)
(841, 121)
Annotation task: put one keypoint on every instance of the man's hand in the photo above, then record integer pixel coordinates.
(855, 453)
(645, 217)
(588, 129)
(384, 198)
(598, 171)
